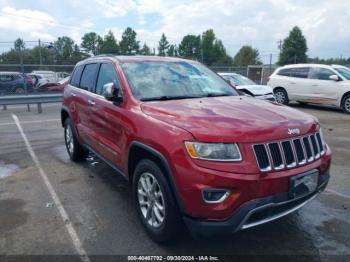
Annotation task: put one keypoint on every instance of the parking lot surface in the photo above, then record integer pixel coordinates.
(99, 207)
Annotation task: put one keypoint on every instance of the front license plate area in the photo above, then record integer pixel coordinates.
(303, 184)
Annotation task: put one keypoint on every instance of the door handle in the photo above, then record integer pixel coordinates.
(91, 102)
(314, 85)
(292, 83)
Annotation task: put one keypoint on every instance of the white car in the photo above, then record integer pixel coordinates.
(312, 83)
(49, 75)
(247, 86)
(39, 80)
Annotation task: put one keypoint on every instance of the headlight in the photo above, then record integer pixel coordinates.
(214, 151)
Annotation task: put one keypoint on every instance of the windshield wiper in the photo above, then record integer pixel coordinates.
(217, 94)
(167, 98)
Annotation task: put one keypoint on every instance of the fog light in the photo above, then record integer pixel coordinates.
(215, 195)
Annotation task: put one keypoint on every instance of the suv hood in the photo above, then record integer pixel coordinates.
(256, 90)
(231, 119)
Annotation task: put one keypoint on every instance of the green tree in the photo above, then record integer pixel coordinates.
(208, 50)
(91, 42)
(109, 44)
(19, 45)
(294, 48)
(190, 47)
(64, 47)
(172, 50)
(129, 45)
(247, 55)
(145, 50)
(163, 45)
(222, 58)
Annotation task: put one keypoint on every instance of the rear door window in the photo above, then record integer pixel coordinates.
(106, 75)
(284, 72)
(75, 80)
(88, 78)
(300, 72)
(321, 73)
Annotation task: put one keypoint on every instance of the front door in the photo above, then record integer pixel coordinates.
(324, 90)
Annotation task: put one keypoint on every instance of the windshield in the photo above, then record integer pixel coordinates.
(344, 72)
(174, 80)
(242, 80)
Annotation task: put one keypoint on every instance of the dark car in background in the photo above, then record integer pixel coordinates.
(15, 83)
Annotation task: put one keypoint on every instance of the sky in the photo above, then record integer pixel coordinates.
(260, 23)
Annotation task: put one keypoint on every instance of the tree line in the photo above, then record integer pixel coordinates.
(206, 48)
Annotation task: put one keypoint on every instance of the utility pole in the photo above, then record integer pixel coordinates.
(279, 42)
(40, 57)
(295, 59)
(270, 69)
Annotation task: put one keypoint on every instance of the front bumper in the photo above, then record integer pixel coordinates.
(254, 212)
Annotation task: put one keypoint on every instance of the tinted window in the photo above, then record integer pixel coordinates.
(300, 72)
(321, 73)
(76, 76)
(284, 72)
(5, 78)
(107, 75)
(88, 77)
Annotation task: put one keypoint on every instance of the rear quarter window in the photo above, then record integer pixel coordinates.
(75, 80)
(284, 72)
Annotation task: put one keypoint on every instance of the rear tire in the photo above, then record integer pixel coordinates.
(345, 105)
(75, 151)
(19, 90)
(155, 204)
(281, 96)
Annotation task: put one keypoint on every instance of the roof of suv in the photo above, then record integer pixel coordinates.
(131, 58)
(308, 65)
(10, 73)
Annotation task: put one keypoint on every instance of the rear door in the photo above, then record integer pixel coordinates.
(299, 84)
(324, 90)
(82, 96)
(105, 117)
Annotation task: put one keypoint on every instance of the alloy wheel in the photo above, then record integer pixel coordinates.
(280, 97)
(347, 105)
(151, 200)
(69, 139)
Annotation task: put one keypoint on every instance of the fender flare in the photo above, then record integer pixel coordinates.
(165, 163)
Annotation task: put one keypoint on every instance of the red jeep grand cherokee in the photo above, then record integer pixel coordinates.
(191, 147)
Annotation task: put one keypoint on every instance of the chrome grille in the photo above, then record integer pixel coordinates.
(278, 155)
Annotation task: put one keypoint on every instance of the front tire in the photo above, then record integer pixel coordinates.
(345, 105)
(155, 204)
(281, 96)
(75, 151)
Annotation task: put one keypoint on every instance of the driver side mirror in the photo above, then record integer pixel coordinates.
(334, 78)
(112, 93)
